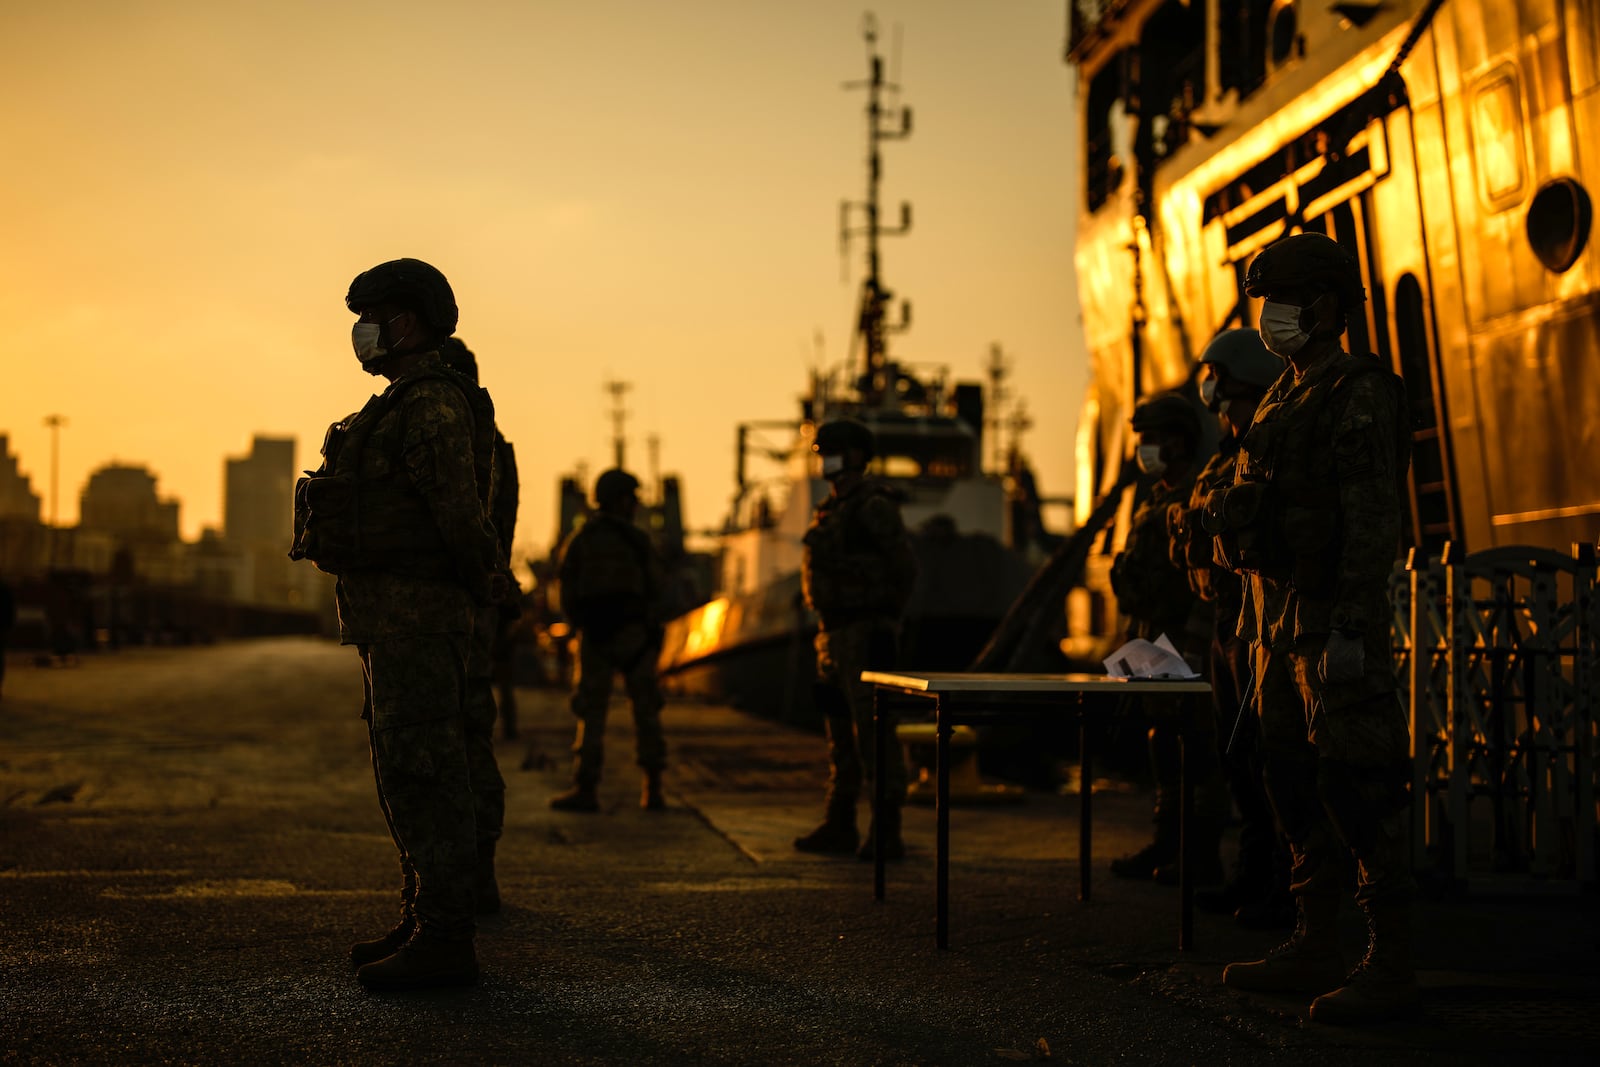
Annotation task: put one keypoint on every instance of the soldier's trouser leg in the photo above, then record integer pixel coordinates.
(1289, 775)
(591, 702)
(419, 751)
(1310, 961)
(488, 787)
(1262, 857)
(864, 646)
(408, 874)
(1171, 756)
(844, 762)
(644, 694)
(1363, 743)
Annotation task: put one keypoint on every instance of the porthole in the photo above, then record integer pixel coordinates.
(1558, 223)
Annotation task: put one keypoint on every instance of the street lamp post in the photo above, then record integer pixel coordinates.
(55, 422)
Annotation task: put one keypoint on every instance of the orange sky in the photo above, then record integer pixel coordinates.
(622, 188)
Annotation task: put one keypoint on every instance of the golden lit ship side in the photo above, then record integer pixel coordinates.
(1449, 145)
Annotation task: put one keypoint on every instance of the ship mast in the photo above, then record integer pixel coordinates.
(619, 416)
(877, 382)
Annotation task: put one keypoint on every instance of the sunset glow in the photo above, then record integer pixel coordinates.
(619, 189)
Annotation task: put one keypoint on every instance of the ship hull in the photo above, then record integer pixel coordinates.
(755, 651)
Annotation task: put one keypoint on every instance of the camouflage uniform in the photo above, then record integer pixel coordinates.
(488, 787)
(857, 575)
(1261, 857)
(610, 583)
(1328, 445)
(406, 535)
(1154, 593)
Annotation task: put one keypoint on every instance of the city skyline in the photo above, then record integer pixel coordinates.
(615, 192)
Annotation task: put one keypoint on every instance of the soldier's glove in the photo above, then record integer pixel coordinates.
(1343, 659)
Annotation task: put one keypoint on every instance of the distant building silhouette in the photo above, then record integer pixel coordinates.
(258, 504)
(17, 498)
(249, 560)
(121, 501)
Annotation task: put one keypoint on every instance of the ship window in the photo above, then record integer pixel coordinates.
(924, 460)
(1171, 79)
(1558, 223)
(1497, 138)
(1284, 28)
(1102, 117)
(1242, 44)
(1411, 327)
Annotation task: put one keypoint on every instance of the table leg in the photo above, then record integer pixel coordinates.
(880, 722)
(1085, 800)
(1185, 844)
(941, 876)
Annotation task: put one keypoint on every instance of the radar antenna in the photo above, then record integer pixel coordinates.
(886, 121)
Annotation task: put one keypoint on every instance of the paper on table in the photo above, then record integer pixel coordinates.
(1146, 659)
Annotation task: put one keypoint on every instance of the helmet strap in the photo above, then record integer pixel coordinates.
(1323, 316)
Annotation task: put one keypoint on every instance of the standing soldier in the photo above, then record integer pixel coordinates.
(610, 588)
(1155, 596)
(1236, 369)
(857, 575)
(488, 787)
(1313, 522)
(397, 512)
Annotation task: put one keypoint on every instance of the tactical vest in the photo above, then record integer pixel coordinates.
(345, 520)
(1191, 543)
(1283, 518)
(1149, 589)
(503, 495)
(606, 574)
(845, 575)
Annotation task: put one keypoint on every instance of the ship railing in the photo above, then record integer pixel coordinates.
(1498, 655)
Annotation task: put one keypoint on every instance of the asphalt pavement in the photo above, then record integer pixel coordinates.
(189, 842)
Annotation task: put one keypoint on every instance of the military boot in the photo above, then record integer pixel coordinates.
(580, 797)
(365, 952)
(837, 835)
(1383, 985)
(486, 889)
(1275, 911)
(422, 963)
(1309, 962)
(1143, 863)
(651, 797)
(894, 846)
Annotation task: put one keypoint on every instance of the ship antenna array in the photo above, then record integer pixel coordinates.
(887, 120)
(619, 417)
(998, 369)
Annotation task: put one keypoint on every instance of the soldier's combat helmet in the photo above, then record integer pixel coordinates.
(837, 436)
(1306, 260)
(1244, 358)
(411, 284)
(614, 486)
(1170, 412)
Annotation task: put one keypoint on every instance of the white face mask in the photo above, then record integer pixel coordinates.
(366, 338)
(1280, 328)
(1208, 391)
(1149, 459)
(832, 465)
